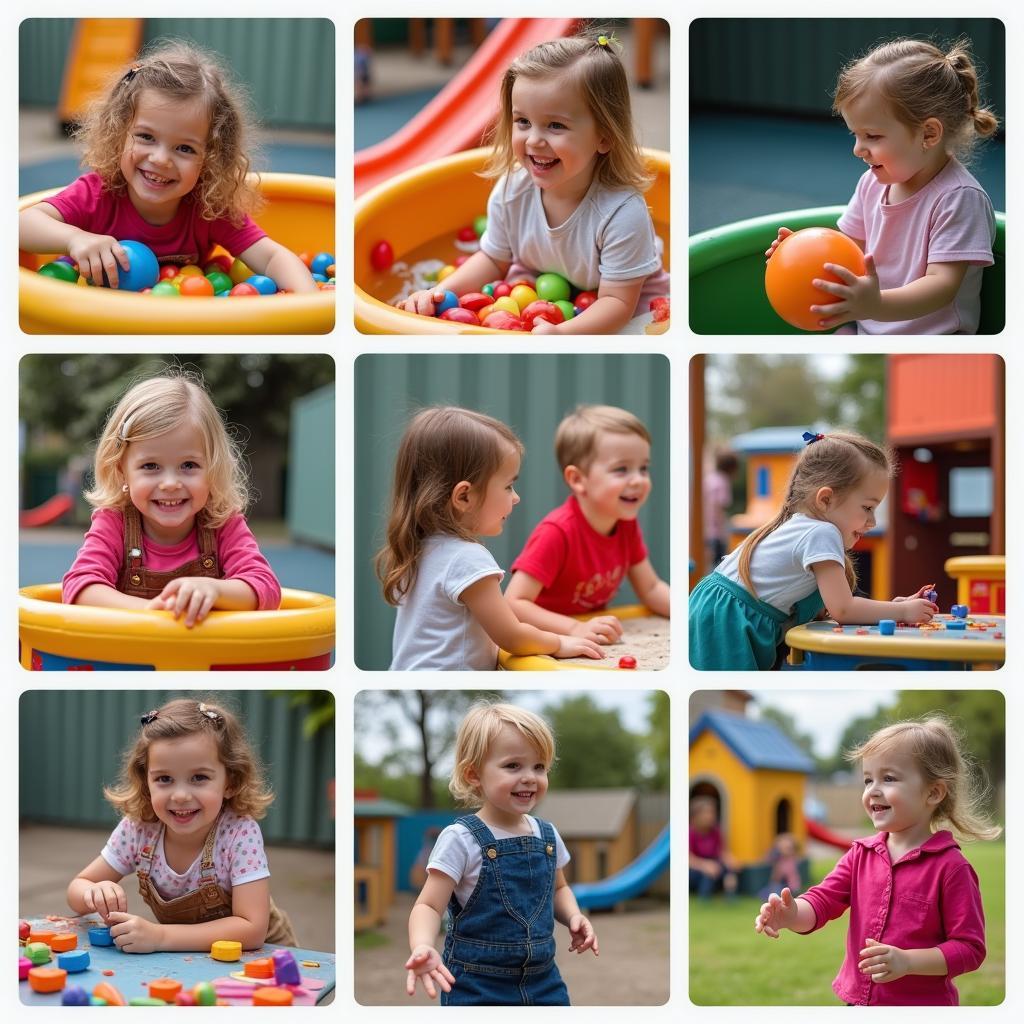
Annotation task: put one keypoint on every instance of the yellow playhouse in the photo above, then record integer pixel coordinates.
(757, 776)
(376, 847)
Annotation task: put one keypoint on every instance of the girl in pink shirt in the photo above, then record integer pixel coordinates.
(916, 919)
(924, 222)
(167, 147)
(169, 492)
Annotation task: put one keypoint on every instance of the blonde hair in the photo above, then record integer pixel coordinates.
(250, 793)
(919, 81)
(181, 71)
(577, 434)
(839, 461)
(477, 732)
(603, 83)
(938, 752)
(441, 446)
(150, 409)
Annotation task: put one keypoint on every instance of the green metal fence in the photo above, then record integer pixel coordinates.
(311, 468)
(530, 393)
(70, 744)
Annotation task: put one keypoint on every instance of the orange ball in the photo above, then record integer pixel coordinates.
(196, 287)
(798, 260)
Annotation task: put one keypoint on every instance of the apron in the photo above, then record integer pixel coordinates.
(137, 580)
(207, 903)
(500, 947)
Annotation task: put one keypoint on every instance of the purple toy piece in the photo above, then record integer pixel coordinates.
(286, 969)
(75, 995)
(932, 595)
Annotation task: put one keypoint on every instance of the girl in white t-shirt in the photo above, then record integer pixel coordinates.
(499, 873)
(787, 570)
(454, 481)
(569, 196)
(924, 222)
(190, 791)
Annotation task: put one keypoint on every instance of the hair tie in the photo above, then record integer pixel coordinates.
(810, 438)
(606, 40)
(149, 716)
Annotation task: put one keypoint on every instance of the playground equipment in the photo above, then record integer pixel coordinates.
(71, 637)
(980, 582)
(631, 881)
(454, 194)
(99, 48)
(727, 269)
(48, 512)
(457, 117)
(299, 214)
(824, 835)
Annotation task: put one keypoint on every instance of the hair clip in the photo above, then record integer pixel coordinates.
(131, 72)
(606, 40)
(209, 712)
(149, 716)
(810, 438)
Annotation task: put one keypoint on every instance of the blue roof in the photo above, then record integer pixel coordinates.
(768, 440)
(756, 744)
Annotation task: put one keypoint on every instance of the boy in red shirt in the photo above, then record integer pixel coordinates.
(579, 554)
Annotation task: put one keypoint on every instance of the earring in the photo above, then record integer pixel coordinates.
(124, 488)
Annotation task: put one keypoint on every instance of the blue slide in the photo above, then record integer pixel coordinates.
(628, 883)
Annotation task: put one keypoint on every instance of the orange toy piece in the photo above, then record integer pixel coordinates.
(164, 988)
(260, 968)
(41, 936)
(271, 996)
(49, 979)
(63, 942)
(798, 260)
(104, 990)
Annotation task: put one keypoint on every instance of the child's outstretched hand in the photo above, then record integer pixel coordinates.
(883, 962)
(583, 935)
(104, 898)
(602, 629)
(771, 248)
(779, 912)
(422, 302)
(95, 254)
(425, 963)
(577, 647)
(194, 596)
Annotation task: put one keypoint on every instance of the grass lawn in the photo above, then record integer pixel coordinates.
(730, 965)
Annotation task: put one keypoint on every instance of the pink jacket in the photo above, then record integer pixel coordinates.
(929, 897)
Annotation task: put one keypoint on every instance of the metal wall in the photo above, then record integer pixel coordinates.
(531, 394)
(311, 469)
(287, 63)
(790, 65)
(70, 745)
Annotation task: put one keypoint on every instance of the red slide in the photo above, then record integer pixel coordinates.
(456, 118)
(49, 512)
(824, 835)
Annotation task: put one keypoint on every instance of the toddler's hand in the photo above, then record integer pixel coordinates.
(104, 898)
(779, 912)
(193, 595)
(96, 253)
(883, 962)
(134, 934)
(577, 647)
(422, 302)
(860, 297)
(542, 326)
(583, 935)
(920, 593)
(602, 629)
(425, 963)
(917, 609)
(783, 232)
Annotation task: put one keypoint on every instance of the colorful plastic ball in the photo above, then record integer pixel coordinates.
(500, 320)
(382, 256)
(501, 289)
(168, 271)
(488, 289)
(567, 308)
(541, 309)
(459, 315)
(165, 288)
(69, 260)
(321, 261)
(59, 272)
(264, 285)
(523, 295)
(508, 304)
(143, 271)
(24, 929)
(190, 270)
(585, 299)
(196, 288)
(205, 994)
(220, 262)
(242, 290)
(445, 271)
(319, 278)
(450, 301)
(306, 257)
(627, 661)
(220, 281)
(798, 260)
(480, 225)
(552, 287)
(466, 234)
(239, 272)
(474, 300)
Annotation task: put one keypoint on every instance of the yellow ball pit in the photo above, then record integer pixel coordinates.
(414, 207)
(71, 637)
(299, 214)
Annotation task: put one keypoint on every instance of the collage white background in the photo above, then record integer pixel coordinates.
(344, 344)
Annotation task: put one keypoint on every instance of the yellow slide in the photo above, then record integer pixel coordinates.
(99, 47)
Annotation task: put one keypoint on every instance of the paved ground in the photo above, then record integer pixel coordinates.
(633, 969)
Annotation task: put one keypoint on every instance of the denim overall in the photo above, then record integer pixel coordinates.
(500, 946)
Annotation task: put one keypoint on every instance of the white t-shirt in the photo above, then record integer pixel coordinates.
(433, 628)
(780, 567)
(457, 854)
(238, 854)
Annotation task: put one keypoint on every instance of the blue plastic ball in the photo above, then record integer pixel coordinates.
(144, 269)
(321, 261)
(450, 301)
(75, 995)
(320, 277)
(264, 285)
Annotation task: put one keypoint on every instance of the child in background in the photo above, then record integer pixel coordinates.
(167, 151)
(169, 493)
(787, 570)
(190, 793)
(454, 481)
(784, 859)
(499, 872)
(569, 195)
(916, 918)
(578, 555)
(924, 222)
(712, 866)
(717, 494)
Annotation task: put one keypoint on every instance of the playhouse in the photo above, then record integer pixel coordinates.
(757, 777)
(375, 857)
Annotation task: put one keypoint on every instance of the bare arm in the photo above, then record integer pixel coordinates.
(95, 890)
(567, 912)
(927, 294)
(274, 261)
(477, 271)
(844, 607)
(41, 228)
(650, 588)
(424, 960)
(522, 593)
(99, 595)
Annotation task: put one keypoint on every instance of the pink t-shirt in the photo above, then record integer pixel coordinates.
(950, 220)
(579, 568)
(101, 556)
(706, 844)
(186, 238)
(717, 498)
(238, 854)
(929, 897)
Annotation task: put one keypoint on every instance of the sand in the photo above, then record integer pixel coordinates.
(645, 638)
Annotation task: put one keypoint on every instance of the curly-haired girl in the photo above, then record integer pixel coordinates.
(190, 792)
(168, 151)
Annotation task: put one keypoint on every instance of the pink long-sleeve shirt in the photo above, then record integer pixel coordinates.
(101, 556)
(929, 897)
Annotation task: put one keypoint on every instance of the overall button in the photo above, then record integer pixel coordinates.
(492, 853)
(549, 849)
(207, 563)
(136, 579)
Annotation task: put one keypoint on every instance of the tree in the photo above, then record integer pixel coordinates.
(857, 399)
(658, 739)
(593, 747)
(787, 723)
